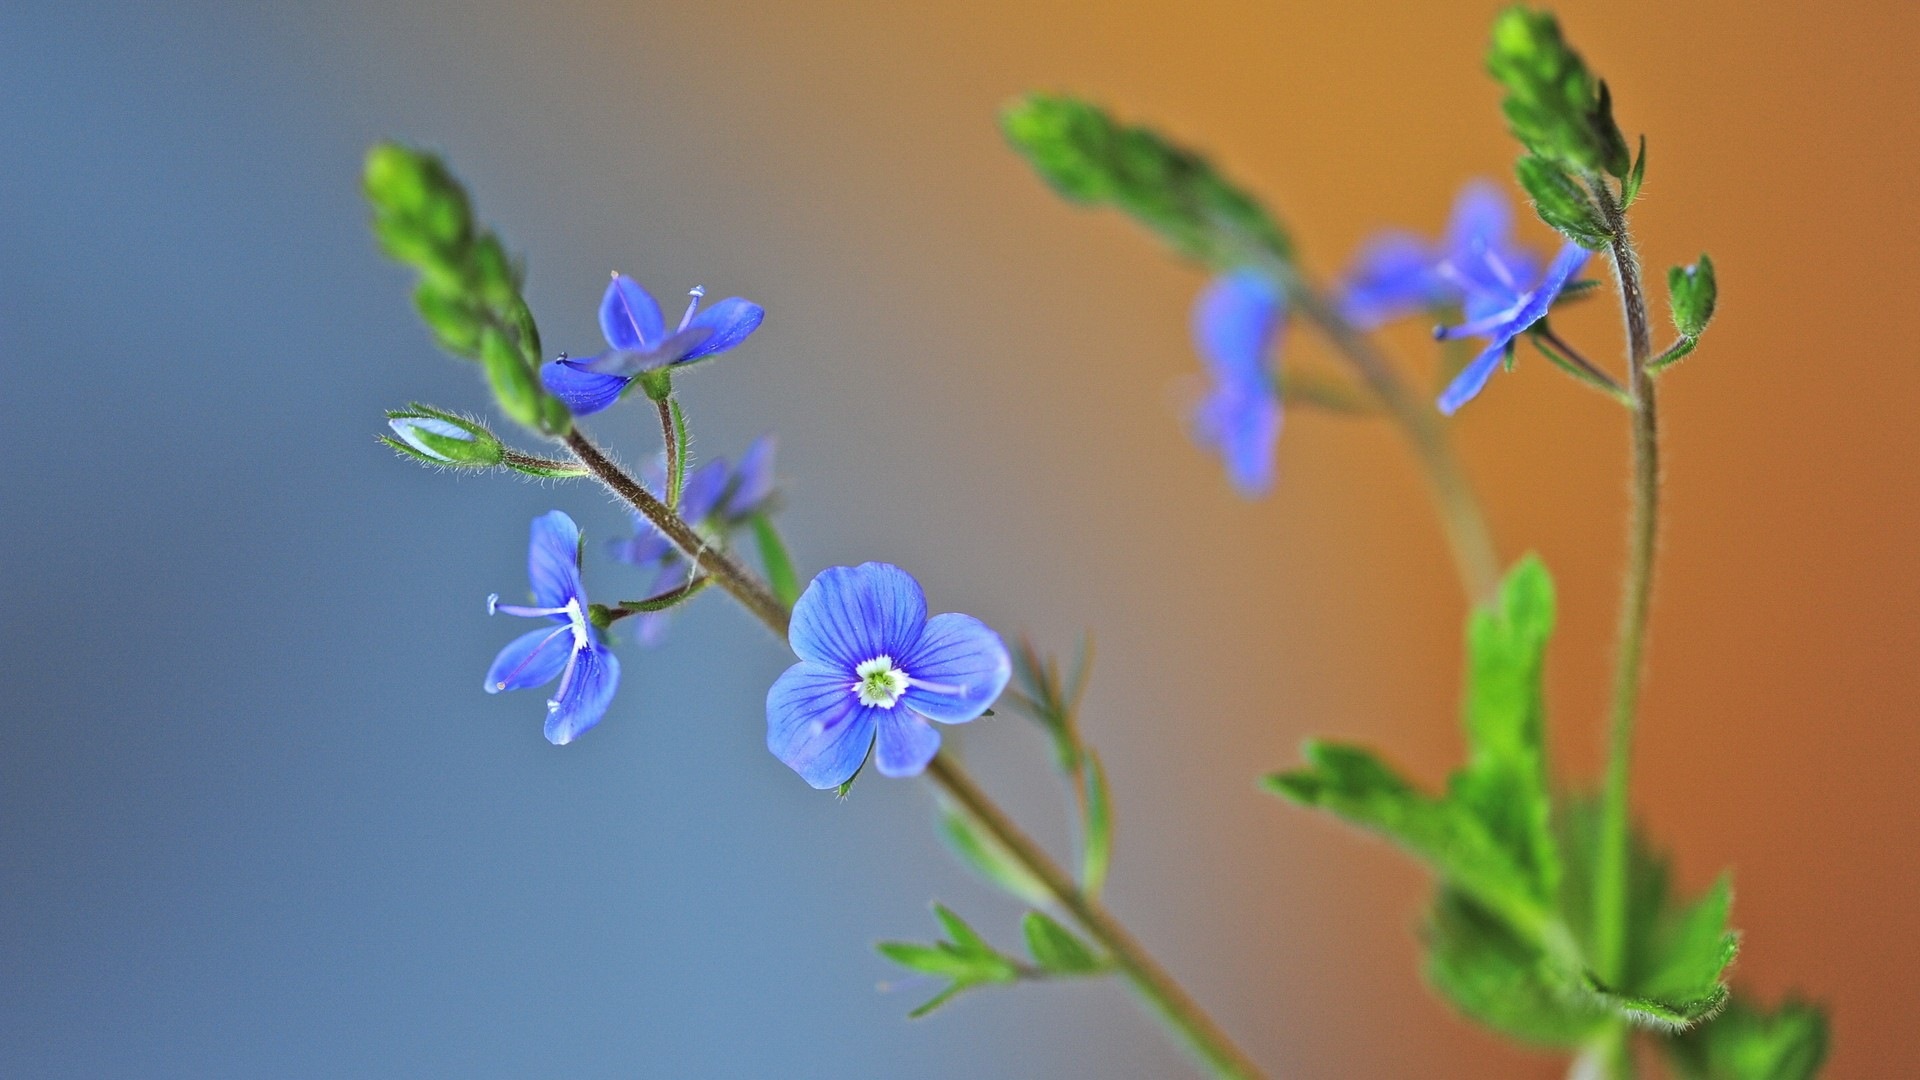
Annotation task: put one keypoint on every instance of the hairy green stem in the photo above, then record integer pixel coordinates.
(1465, 523)
(1165, 996)
(1611, 882)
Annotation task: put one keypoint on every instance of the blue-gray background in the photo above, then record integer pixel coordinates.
(257, 818)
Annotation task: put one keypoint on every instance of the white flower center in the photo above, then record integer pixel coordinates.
(881, 683)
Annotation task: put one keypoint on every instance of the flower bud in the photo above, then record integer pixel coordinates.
(443, 439)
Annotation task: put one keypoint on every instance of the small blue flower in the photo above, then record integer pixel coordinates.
(1498, 309)
(638, 341)
(873, 670)
(1236, 324)
(571, 651)
(1400, 274)
(718, 499)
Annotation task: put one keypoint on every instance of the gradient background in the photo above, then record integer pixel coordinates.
(256, 818)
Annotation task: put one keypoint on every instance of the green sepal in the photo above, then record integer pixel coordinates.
(544, 468)
(985, 856)
(1691, 296)
(1091, 158)
(1745, 1043)
(1554, 106)
(1630, 187)
(1562, 203)
(657, 384)
(775, 559)
(1055, 949)
(1493, 976)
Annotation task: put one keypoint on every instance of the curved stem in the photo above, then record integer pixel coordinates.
(1158, 988)
(1461, 517)
(1611, 882)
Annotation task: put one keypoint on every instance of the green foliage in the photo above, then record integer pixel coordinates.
(1691, 296)
(966, 960)
(1096, 849)
(1089, 157)
(1055, 948)
(1630, 187)
(1553, 104)
(773, 556)
(1052, 700)
(1561, 202)
(986, 857)
(1499, 979)
(469, 290)
(1744, 1043)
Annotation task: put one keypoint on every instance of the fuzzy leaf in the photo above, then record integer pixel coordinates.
(1630, 187)
(1055, 949)
(1562, 203)
(1744, 1043)
(1493, 976)
(1691, 296)
(1553, 104)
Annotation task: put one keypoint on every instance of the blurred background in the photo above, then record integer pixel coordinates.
(257, 818)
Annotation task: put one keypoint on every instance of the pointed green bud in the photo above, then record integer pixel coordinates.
(1089, 157)
(414, 190)
(1691, 294)
(1562, 203)
(444, 439)
(1553, 104)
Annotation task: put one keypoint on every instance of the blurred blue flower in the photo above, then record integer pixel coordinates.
(570, 651)
(1499, 310)
(1236, 323)
(638, 341)
(873, 670)
(718, 498)
(1398, 273)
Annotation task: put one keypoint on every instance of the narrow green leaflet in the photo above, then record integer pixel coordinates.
(1489, 973)
(1096, 847)
(1089, 157)
(773, 555)
(1745, 1043)
(966, 960)
(1055, 949)
(987, 858)
(1630, 187)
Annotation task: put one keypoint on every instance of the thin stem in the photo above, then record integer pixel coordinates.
(1460, 514)
(1149, 979)
(1152, 982)
(1611, 882)
(659, 602)
(1544, 335)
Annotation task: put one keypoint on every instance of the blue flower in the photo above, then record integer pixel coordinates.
(718, 499)
(570, 651)
(638, 341)
(1236, 323)
(873, 670)
(1498, 309)
(1399, 274)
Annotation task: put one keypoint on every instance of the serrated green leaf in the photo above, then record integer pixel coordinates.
(1055, 948)
(1562, 203)
(1692, 295)
(775, 559)
(1089, 157)
(1493, 976)
(989, 859)
(952, 991)
(1096, 851)
(1744, 1043)
(1553, 104)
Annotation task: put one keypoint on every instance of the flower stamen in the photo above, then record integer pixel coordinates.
(881, 684)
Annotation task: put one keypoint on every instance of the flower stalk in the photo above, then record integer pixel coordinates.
(1159, 990)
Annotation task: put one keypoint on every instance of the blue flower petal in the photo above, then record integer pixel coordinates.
(1235, 323)
(1565, 264)
(583, 392)
(645, 547)
(1466, 385)
(753, 480)
(728, 323)
(630, 316)
(956, 672)
(851, 614)
(817, 726)
(905, 744)
(532, 659)
(1243, 428)
(1482, 219)
(705, 484)
(553, 561)
(585, 692)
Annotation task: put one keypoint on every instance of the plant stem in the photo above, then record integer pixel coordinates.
(1611, 882)
(1460, 515)
(1165, 996)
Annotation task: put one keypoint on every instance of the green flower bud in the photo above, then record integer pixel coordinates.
(444, 439)
(1691, 294)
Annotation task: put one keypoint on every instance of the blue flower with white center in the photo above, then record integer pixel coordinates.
(873, 670)
(638, 341)
(718, 499)
(1236, 324)
(1500, 310)
(1399, 274)
(570, 651)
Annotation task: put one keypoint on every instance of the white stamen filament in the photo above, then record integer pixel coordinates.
(693, 305)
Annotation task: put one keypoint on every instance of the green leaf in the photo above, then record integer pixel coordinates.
(1089, 157)
(964, 936)
(773, 556)
(1493, 976)
(1553, 104)
(967, 960)
(1744, 1043)
(1691, 296)
(986, 857)
(1504, 783)
(930, 959)
(1096, 851)
(1562, 203)
(1630, 187)
(1675, 353)
(1055, 949)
